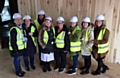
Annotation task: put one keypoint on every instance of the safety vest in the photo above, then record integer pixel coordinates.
(32, 30)
(46, 37)
(87, 37)
(19, 38)
(60, 40)
(102, 48)
(75, 46)
(38, 26)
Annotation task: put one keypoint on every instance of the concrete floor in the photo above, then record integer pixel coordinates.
(7, 69)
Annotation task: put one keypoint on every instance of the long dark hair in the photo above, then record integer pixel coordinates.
(41, 21)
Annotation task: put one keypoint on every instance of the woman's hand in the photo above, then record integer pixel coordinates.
(30, 34)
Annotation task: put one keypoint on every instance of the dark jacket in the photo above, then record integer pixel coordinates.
(66, 39)
(46, 48)
(13, 34)
(31, 48)
(96, 42)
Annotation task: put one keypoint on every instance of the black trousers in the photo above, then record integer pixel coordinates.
(87, 62)
(60, 58)
(100, 64)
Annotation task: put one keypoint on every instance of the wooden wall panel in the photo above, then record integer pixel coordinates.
(81, 8)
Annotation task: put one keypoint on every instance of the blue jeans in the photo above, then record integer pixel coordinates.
(75, 62)
(26, 61)
(17, 63)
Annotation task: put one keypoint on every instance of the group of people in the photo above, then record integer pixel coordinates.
(54, 42)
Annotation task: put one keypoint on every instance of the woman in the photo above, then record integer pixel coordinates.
(87, 43)
(46, 38)
(38, 23)
(16, 49)
(40, 20)
(61, 44)
(75, 43)
(30, 32)
(100, 48)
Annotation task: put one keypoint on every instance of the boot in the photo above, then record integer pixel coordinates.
(96, 72)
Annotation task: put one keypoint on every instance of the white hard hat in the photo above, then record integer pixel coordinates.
(48, 18)
(100, 17)
(41, 12)
(86, 19)
(16, 15)
(60, 19)
(26, 17)
(74, 19)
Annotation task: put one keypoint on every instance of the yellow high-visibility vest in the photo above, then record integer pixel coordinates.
(75, 46)
(32, 30)
(19, 38)
(86, 37)
(102, 48)
(46, 37)
(60, 40)
(38, 26)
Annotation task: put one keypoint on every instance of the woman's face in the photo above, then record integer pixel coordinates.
(27, 22)
(85, 24)
(18, 21)
(73, 24)
(99, 23)
(60, 24)
(41, 17)
(47, 23)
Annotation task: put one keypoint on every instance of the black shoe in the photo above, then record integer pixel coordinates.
(70, 68)
(20, 74)
(81, 68)
(44, 69)
(105, 69)
(84, 72)
(71, 72)
(96, 73)
(49, 69)
(33, 67)
(23, 72)
(61, 70)
(28, 69)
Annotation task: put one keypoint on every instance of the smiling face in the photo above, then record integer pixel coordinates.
(48, 23)
(60, 24)
(41, 17)
(18, 21)
(73, 24)
(99, 23)
(85, 24)
(27, 22)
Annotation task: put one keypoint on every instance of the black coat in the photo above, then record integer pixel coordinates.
(66, 39)
(31, 48)
(13, 41)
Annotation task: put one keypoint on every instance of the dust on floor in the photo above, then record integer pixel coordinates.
(7, 69)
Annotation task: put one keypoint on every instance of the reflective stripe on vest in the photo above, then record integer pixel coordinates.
(75, 46)
(32, 30)
(19, 42)
(87, 37)
(60, 40)
(102, 48)
(25, 34)
(38, 26)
